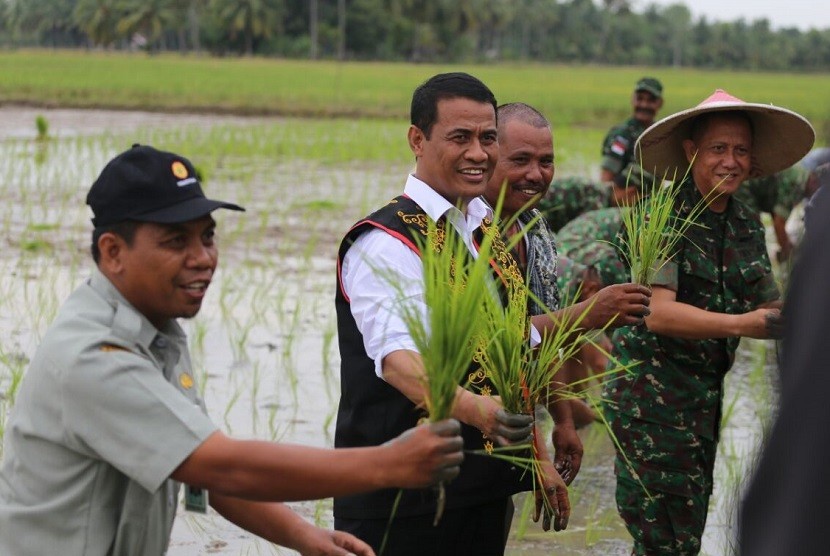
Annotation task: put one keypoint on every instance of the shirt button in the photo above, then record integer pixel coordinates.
(160, 342)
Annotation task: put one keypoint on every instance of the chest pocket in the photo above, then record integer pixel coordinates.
(750, 259)
(699, 276)
(749, 271)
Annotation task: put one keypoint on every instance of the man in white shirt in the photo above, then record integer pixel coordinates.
(454, 138)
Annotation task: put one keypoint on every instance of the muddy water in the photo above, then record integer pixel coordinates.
(266, 338)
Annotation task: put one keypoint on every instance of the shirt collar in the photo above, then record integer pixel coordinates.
(128, 322)
(436, 206)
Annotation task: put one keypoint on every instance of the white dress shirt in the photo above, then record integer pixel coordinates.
(377, 255)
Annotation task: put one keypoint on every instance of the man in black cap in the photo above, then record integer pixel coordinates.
(108, 420)
(618, 145)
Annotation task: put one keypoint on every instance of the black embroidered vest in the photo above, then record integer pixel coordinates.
(372, 412)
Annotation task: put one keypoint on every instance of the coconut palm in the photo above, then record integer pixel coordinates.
(98, 19)
(149, 18)
(44, 18)
(253, 19)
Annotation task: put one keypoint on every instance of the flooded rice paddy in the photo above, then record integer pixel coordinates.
(265, 340)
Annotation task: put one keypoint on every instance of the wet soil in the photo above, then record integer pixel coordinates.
(266, 337)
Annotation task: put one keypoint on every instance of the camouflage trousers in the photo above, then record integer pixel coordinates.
(664, 480)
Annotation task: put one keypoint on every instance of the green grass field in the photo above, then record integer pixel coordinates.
(594, 96)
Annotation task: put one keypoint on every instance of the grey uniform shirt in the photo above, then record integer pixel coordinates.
(106, 412)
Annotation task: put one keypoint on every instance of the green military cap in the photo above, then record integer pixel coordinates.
(651, 85)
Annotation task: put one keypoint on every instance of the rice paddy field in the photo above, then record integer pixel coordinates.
(265, 340)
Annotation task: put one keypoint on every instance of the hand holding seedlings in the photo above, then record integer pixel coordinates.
(507, 428)
(429, 454)
(568, 451)
(620, 305)
(552, 501)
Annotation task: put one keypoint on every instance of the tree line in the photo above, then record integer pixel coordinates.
(563, 31)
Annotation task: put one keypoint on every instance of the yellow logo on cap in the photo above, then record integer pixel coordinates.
(186, 381)
(179, 170)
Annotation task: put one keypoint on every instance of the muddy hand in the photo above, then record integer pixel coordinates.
(552, 502)
(429, 454)
(512, 428)
(620, 305)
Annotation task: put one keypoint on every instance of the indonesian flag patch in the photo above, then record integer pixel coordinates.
(619, 145)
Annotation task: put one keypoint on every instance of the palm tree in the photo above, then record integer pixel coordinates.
(341, 29)
(313, 26)
(253, 19)
(150, 18)
(43, 18)
(98, 19)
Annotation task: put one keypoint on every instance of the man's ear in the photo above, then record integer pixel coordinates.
(111, 248)
(416, 139)
(690, 149)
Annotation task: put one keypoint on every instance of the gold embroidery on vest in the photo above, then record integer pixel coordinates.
(501, 255)
(420, 222)
(476, 377)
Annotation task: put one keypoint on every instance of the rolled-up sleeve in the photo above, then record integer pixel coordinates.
(379, 273)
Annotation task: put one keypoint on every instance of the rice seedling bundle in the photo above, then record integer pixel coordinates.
(652, 228)
(455, 286)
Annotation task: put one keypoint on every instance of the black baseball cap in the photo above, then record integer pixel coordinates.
(147, 185)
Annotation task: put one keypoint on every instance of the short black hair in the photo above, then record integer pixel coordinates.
(525, 113)
(125, 229)
(424, 110)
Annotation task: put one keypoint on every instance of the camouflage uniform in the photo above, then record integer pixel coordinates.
(666, 413)
(589, 240)
(618, 146)
(569, 275)
(776, 194)
(569, 197)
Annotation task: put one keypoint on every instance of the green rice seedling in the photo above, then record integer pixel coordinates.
(14, 365)
(327, 423)
(42, 125)
(329, 379)
(520, 373)
(455, 287)
(237, 393)
(255, 382)
(652, 229)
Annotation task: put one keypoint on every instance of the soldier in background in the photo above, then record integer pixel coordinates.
(588, 262)
(618, 145)
(570, 197)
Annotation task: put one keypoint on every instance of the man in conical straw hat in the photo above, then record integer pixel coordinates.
(717, 287)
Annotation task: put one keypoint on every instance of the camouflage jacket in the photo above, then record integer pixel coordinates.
(569, 197)
(721, 266)
(618, 145)
(589, 240)
(776, 194)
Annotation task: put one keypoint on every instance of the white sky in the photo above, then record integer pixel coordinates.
(803, 14)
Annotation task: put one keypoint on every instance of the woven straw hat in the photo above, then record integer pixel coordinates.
(780, 137)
